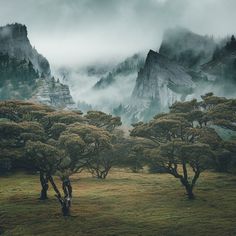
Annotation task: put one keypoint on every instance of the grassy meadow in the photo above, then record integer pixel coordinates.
(123, 204)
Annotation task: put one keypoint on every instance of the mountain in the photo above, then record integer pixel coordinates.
(222, 66)
(122, 71)
(51, 92)
(17, 78)
(188, 49)
(162, 79)
(15, 43)
(159, 84)
(24, 73)
(187, 66)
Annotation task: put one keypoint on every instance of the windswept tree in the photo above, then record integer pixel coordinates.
(29, 139)
(178, 146)
(103, 120)
(101, 163)
(13, 137)
(84, 145)
(50, 160)
(187, 138)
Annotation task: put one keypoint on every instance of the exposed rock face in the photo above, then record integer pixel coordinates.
(53, 93)
(159, 84)
(25, 74)
(187, 48)
(162, 80)
(17, 78)
(122, 71)
(14, 42)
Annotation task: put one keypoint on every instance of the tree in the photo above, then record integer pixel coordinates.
(50, 160)
(103, 120)
(177, 146)
(136, 158)
(226, 157)
(84, 145)
(101, 163)
(29, 139)
(186, 137)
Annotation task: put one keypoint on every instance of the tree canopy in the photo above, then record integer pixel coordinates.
(186, 138)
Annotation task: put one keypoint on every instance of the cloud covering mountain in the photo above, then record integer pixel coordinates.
(79, 32)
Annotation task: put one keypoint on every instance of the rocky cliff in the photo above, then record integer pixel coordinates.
(51, 92)
(162, 79)
(159, 84)
(25, 74)
(15, 43)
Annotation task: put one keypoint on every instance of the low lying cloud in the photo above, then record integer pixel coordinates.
(79, 32)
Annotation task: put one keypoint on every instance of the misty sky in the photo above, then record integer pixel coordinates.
(77, 32)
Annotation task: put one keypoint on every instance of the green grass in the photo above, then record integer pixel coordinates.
(124, 204)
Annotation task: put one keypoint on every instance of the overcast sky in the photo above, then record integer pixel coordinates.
(76, 32)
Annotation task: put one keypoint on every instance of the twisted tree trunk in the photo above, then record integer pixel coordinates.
(66, 200)
(44, 184)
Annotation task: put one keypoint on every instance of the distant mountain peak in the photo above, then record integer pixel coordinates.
(188, 49)
(25, 74)
(160, 73)
(13, 31)
(14, 42)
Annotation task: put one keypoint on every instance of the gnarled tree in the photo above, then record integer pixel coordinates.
(101, 163)
(181, 142)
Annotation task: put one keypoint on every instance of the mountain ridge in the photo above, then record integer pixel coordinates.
(26, 74)
(15, 43)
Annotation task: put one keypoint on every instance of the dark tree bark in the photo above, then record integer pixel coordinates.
(66, 200)
(189, 185)
(189, 188)
(100, 169)
(67, 189)
(44, 184)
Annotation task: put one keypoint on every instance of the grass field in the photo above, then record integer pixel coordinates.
(123, 204)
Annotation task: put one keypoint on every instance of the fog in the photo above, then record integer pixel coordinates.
(80, 32)
(87, 98)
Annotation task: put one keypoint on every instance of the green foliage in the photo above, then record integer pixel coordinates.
(84, 144)
(103, 120)
(61, 117)
(184, 137)
(136, 158)
(105, 158)
(52, 142)
(56, 129)
(44, 157)
(5, 165)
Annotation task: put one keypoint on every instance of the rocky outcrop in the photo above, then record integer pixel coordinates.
(159, 84)
(163, 80)
(51, 92)
(14, 42)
